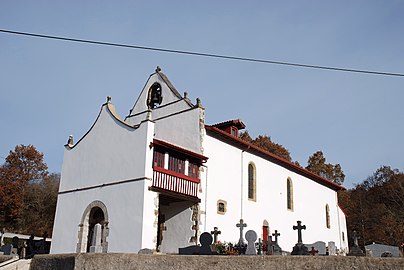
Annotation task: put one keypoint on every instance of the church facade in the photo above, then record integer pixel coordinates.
(160, 177)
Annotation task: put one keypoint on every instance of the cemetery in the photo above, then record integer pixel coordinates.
(248, 252)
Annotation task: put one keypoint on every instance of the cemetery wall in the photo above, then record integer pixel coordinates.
(176, 262)
(4, 258)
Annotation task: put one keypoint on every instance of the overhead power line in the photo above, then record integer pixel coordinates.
(229, 57)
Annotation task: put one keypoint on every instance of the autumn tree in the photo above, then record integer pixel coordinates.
(264, 142)
(21, 174)
(374, 207)
(317, 164)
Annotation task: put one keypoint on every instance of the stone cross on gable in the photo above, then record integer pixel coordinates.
(215, 233)
(276, 234)
(299, 229)
(241, 225)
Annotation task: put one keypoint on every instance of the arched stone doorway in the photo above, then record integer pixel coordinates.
(96, 212)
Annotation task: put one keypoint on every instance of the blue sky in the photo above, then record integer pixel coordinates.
(51, 89)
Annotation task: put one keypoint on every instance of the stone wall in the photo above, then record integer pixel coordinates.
(175, 262)
(4, 258)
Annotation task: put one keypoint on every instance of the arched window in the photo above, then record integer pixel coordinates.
(289, 193)
(327, 216)
(252, 188)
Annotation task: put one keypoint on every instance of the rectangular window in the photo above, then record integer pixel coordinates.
(176, 165)
(158, 159)
(193, 170)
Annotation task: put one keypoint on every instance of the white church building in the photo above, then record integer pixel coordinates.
(160, 177)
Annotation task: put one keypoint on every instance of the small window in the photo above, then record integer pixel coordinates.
(252, 182)
(327, 216)
(289, 193)
(343, 236)
(221, 207)
(158, 159)
(234, 131)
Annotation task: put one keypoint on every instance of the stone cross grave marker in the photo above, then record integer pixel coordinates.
(215, 233)
(313, 251)
(241, 225)
(299, 229)
(251, 237)
(96, 241)
(276, 234)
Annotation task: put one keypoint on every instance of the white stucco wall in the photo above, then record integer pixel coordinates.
(125, 212)
(109, 153)
(178, 226)
(224, 182)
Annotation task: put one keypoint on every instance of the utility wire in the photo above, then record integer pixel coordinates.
(229, 57)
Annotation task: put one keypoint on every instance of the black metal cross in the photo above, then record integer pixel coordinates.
(215, 233)
(276, 234)
(299, 229)
(241, 225)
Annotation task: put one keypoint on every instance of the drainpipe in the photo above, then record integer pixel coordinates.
(339, 222)
(206, 196)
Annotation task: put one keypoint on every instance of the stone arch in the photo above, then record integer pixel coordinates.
(95, 212)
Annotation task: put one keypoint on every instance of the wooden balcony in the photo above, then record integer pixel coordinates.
(175, 182)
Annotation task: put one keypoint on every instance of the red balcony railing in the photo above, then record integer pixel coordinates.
(175, 182)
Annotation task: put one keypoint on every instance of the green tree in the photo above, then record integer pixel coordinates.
(317, 164)
(264, 142)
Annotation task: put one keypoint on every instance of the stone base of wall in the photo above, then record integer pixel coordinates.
(111, 261)
(4, 258)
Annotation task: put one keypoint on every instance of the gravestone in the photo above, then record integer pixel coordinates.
(215, 233)
(241, 225)
(2, 232)
(146, 251)
(276, 249)
(7, 249)
(332, 249)
(251, 237)
(313, 251)
(205, 249)
(319, 245)
(96, 241)
(241, 244)
(299, 248)
(14, 242)
(355, 249)
(259, 247)
(206, 241)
